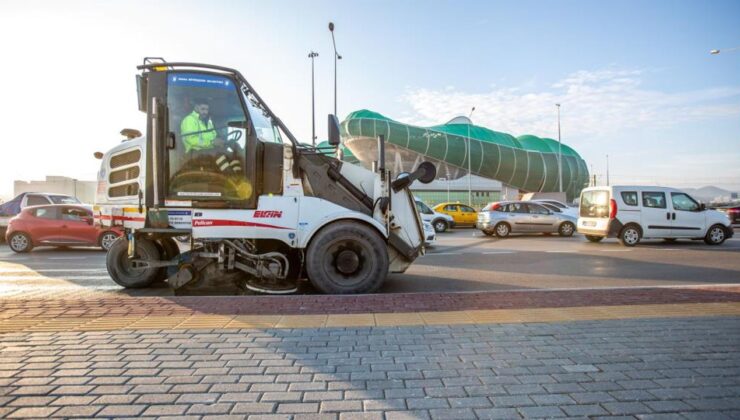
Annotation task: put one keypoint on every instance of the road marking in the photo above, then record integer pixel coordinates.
(563, 252)
(20, 278)
(615, 250)
(497, 252)
(444, 253)
(67, 258)
(52, 270)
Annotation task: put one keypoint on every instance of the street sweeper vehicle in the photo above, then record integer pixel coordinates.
(263, 211)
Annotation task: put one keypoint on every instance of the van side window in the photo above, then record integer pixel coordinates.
(682, 201)
(653, 200)
(629, 198)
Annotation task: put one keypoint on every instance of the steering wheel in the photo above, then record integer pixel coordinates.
(193, 180)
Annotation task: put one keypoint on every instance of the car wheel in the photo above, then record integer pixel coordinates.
(566, 229)
(20, 242)
(630, 235)
(128, 274)
(502, 230)
(347, 257)
(440, 225)
(488, 232)
(716, 235)
(106, 240)
(594, 239)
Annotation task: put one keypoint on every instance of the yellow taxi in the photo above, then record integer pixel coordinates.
(462, 214)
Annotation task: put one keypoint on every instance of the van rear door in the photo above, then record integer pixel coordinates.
(593, 213)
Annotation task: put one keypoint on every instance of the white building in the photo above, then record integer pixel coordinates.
(83, 190)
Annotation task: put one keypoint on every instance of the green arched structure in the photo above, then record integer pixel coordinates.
(526, 162)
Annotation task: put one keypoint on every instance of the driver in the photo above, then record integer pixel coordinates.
(200, 138)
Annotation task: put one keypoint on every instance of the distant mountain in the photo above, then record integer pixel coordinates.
(709, 193)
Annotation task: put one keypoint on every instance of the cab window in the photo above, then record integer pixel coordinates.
(467, 209)
(36, 200)
(450, 207)
(683, 202)
(629, 197)
(209, 126)
(653, 199)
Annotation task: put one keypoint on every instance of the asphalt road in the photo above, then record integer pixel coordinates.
(461, 261)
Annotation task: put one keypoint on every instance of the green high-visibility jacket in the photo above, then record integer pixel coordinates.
(204, 133)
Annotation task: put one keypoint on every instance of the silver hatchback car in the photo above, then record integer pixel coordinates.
(507, 217)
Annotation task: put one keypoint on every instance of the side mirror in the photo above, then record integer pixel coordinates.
(334, 137)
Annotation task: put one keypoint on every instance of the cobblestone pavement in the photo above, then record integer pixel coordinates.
(646, 368)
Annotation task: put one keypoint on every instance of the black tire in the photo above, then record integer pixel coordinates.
(347, 257)
(594, 238)
(630, 235)
(487, 232)
(716, 235)
(440, 225)
(566, 229)
(106, 239)
(20, 242)
(122, 271)
(168, 249)
(502, 230)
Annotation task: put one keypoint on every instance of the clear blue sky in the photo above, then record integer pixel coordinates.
(635, 78)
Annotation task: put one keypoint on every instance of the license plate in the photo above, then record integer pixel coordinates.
(589, 224)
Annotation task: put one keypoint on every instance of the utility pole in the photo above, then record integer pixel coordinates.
(336, 57)
(607, 170)
(560, 153)
(313, 55)
(470, 175)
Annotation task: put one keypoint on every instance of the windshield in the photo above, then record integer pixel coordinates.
(208, 123)
(265, 130)
(423, 208)
(63, 199)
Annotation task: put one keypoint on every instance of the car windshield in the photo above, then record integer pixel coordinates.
(423, 208)
(63, 199)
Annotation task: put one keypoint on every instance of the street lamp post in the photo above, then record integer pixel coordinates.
(470, 175)
(560, 154)
(607, 170)
(313, 55)
(336, 57)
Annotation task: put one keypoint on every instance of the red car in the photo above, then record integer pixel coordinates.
(57, 225)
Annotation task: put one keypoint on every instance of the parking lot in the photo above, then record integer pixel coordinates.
(463, 260)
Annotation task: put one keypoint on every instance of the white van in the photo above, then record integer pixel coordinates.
(440, 221)
(632, 213)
